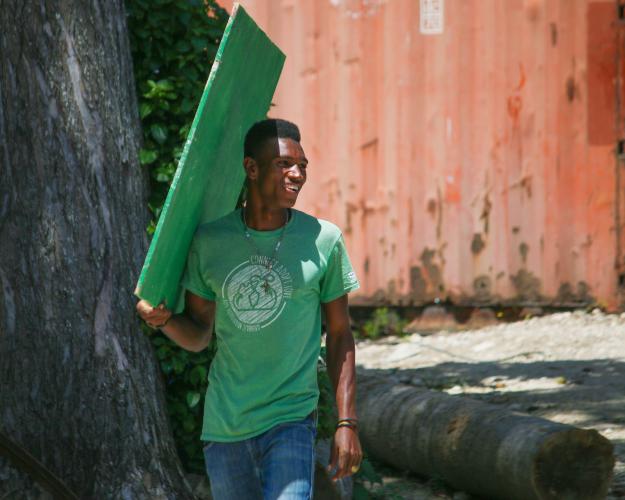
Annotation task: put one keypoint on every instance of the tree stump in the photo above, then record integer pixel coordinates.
(480, 448)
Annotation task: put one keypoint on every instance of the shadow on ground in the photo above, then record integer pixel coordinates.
(592, 392)
(584, 393)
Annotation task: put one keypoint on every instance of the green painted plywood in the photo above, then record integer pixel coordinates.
(210, 173)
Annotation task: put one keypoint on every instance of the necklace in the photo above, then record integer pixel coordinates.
(269, 263)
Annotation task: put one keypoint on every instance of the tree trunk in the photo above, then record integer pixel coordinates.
(80, 388)
(479, 448)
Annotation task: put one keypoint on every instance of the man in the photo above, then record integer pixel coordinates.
(264, 274)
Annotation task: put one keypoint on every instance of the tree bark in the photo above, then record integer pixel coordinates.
(80, 388)
(480, 448)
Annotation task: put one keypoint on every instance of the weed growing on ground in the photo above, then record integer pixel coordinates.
(383, 322)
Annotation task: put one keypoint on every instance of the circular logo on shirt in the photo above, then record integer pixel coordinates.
(255, 292)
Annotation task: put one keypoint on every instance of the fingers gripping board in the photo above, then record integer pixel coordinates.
(210, 174)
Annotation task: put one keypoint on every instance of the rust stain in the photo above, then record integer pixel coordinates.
(418, 286)
(514, 106)
(565, 293)
(554, 34)
(484, 216)
(431, 207)
(432, 270)
(477, 245)
(350, 209)
(581, 294)
(533, 9)
(571, 89)
(526, 183)
(439, 219)
(527, 285)
(522, 78)
(524, 250)
(482, 286)
(369, 144)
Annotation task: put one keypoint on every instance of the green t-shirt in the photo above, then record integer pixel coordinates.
(268, 320)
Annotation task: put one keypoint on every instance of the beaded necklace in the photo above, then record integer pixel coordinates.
(269, 264)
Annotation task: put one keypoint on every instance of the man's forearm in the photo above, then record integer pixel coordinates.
(187, 333)
(341, 367)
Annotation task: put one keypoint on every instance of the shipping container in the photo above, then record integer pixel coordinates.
(469, 149)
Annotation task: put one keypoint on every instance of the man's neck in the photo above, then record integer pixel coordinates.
(264, 219)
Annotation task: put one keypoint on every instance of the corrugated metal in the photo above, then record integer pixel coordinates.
(477, 164)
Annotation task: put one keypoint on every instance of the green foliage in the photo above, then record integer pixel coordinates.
(364, 479)
(186, 379)
(173, 44)
(384, 321)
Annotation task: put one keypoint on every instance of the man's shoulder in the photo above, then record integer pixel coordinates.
(326, 231)
(222, 226)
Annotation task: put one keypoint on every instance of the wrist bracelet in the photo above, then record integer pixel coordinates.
(354, 420)
(353, 427)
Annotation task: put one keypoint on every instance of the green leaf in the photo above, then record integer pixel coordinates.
(178, 365)
(360, 492)
(163, 352)
(188, 423)
(186, 105)
(193, 398)
(145, 109)
(198, 375)
(368, 473)
(199, 43)
(147, 156)
(159, 133)
(182, 46)
(184, 18)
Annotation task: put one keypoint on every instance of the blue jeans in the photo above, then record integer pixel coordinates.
(278, 464)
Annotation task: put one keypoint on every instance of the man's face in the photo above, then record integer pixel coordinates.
(281, 172)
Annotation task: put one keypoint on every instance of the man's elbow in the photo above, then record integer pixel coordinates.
(200, 344)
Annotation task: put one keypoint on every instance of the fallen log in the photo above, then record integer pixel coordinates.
(481, 448)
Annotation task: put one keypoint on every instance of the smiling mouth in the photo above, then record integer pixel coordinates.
(293, 189)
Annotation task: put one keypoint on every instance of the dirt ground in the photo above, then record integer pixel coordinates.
(567, 367)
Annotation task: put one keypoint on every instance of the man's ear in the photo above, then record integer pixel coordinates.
(251, 168)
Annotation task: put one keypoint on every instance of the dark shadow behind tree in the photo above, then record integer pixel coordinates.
(79, 386)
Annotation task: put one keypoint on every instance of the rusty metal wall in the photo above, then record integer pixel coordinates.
(476, 164)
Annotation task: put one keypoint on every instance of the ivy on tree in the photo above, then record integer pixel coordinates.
(173, 44)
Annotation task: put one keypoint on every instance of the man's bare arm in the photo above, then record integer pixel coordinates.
(191, 330)
(346, 450)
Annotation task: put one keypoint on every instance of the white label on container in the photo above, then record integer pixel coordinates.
(432, 17)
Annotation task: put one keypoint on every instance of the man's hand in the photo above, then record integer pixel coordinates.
(191, 330)
(153, 316)
(345, 454)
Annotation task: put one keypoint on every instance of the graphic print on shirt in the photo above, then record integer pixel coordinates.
(255, 295)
